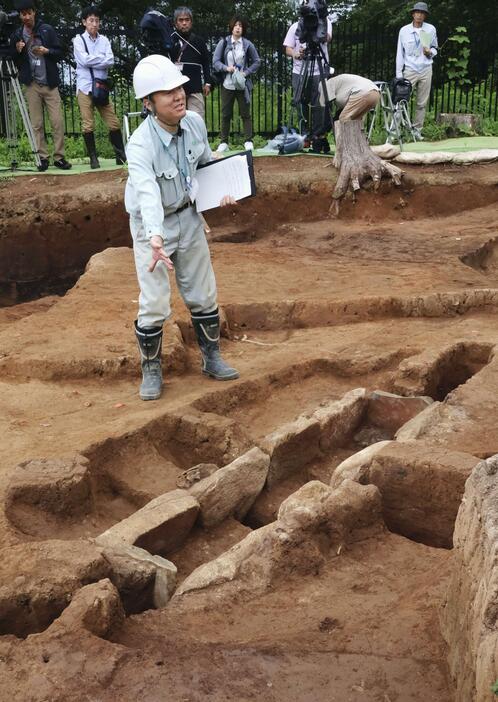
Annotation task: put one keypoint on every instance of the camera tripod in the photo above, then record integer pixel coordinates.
(12, 95)
(313, 56)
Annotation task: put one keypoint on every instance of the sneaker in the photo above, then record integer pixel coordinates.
(248, 146)
(43, 165)
(222, 147)
(63, 164)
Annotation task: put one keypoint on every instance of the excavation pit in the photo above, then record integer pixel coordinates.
(302, 570)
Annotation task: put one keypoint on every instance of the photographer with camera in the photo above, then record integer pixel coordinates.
(93, 56)
(307, 39)
(36, 49)
(191, 55)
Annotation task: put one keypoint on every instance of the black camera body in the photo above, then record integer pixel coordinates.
(8, 23)
(157, 32)
(312, 24)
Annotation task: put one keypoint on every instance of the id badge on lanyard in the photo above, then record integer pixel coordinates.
(192, 186)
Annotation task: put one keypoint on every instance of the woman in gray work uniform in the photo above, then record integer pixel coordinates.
(168, 234)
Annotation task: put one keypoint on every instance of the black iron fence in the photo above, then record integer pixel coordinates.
(368, 51)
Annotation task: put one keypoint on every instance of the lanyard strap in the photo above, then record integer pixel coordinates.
(86, 48)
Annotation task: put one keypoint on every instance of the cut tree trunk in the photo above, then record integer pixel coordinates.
(357, 162)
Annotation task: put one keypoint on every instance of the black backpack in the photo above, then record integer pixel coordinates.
(401, 89)
(157, 33)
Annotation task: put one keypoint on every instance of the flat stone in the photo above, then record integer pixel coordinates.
(96, 608)
(469, 614)
(416, 428)
(388, 411)
(143, 580)
(231, 490)
(291, 447)
(339, 419)
(195, 474)
(293, 546)
(421, 486)
(59, 486)
(160, 527)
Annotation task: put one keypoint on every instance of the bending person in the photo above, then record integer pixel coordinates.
(237, 57)
(168, 234)
(353, 95)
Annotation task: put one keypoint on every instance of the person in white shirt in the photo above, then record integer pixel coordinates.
(417, 46)
(93, 55)
(168, 233)
(296, 49)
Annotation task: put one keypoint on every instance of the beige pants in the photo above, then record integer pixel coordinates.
(422, 82)
(38, 97)
(87, 110)
(359, 104)
(195, 102)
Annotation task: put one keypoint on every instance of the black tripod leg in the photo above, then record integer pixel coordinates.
(297, 98)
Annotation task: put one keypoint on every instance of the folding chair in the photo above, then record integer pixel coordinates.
(394, 112)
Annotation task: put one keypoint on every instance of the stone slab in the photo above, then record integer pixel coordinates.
(160, 527)
(231, 490)
(291, 447)
(388, 411)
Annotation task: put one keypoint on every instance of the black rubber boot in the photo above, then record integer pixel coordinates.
(207, 331)
(150, 344)
(116, 139)
(89, 138)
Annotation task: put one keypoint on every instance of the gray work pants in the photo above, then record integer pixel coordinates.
(421, 82)
(186, 245)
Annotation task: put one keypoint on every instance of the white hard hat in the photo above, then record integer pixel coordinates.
(155, 73)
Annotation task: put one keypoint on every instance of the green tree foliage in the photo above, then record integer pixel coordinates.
(479, 16)
(458, 62)
(206, 12)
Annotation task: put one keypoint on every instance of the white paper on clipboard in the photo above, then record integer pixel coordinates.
(232, 176)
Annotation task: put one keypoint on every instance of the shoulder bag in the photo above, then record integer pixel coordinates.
(100, 86)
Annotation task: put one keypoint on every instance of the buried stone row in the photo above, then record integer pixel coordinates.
(389, 482)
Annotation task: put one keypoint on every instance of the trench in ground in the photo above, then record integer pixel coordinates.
(129, 471)
(36, 260)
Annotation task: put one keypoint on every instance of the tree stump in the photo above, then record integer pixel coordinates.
(356, 162)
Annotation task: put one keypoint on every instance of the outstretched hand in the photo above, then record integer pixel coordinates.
(228, 200)
(159, 254)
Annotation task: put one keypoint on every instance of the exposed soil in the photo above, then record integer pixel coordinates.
(400, 294)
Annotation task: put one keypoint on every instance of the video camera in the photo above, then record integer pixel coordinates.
(8, 23)
(312, 24)
(157, 33)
